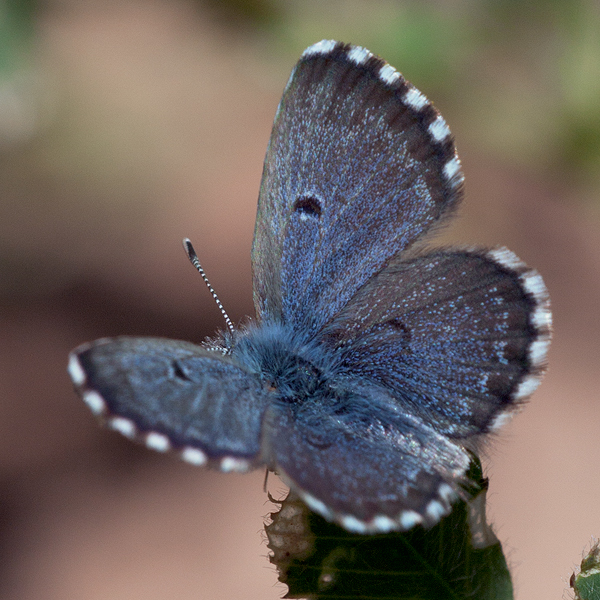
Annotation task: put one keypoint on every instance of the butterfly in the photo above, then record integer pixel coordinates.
(373, 366)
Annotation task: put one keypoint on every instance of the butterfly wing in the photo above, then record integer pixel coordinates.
(359, 166)
(174, 395)
(419, 354)
(370, 470)
(459, 337)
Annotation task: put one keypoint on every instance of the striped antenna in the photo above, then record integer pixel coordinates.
(191, 253)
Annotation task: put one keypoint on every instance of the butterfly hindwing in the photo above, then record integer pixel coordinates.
(359, 166)
(363, 465)
(459, 337)
(174, 395)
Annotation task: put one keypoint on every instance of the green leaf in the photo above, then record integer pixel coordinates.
(586, 583)
(459, 558)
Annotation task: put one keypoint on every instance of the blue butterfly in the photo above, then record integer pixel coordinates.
(372, 367)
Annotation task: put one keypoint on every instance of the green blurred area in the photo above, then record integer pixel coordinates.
(16, 31)
(523, 76)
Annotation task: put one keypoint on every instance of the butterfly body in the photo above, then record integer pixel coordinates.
(371, 367)
(294, 369)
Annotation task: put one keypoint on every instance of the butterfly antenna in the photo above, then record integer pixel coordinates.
(191, 253)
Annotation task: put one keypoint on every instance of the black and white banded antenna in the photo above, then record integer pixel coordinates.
(191, 253)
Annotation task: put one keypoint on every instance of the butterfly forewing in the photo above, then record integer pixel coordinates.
(359, 166)
(194, 397)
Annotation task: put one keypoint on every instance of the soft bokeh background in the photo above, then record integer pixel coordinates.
(128, 124)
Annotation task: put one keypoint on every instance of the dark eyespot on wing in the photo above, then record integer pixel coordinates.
(179, 372)
(308, 207)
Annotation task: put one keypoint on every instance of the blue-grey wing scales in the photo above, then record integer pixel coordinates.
(192, 399)
(359, 166)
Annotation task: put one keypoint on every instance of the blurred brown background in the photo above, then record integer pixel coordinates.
(126, 125)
